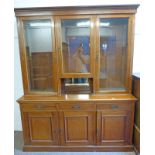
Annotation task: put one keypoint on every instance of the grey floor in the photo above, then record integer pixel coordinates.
(19, 143)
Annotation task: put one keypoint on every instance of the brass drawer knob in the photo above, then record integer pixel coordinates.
(76, 107)
(114, 106)
(39, 107)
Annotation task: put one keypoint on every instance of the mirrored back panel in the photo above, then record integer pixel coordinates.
(77, 85)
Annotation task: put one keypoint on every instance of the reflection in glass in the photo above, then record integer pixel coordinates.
(113, 53)
(75, 45)
(76, 81)
(39, 54)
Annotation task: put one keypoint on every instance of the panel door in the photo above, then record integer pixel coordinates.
(78, 128)
(113, 127)
(75, 46)
(41, 128)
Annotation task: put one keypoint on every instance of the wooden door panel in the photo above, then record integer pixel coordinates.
(78, 128)
(77, 132)
(113, 127)
(42, 128)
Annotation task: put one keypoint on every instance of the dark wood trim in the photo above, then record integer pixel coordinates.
(127, 6)
(82, 9)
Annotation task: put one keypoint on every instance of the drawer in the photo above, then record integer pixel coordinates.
(38, 107)
(77, 106)
(114, 106)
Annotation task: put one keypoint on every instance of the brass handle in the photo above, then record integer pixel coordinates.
(76, 107)
(39, 107)
(114, 106)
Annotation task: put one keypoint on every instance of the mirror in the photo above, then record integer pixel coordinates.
(77, 85)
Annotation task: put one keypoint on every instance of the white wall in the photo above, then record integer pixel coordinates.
(46, 3)
(18, 88)
(39, 39)
(40, 3)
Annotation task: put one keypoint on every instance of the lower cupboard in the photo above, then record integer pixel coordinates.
(78, 126)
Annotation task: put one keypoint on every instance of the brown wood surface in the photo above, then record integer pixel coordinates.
(79, 98)
(77, 127)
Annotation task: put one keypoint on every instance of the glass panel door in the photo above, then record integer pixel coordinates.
(40, 54)
(76, 48)
(113, 35)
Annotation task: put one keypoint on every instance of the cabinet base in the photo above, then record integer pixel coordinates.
(30, 148)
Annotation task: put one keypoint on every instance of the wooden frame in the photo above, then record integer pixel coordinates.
(26, 80)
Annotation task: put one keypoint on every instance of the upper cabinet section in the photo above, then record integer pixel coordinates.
(81, 45)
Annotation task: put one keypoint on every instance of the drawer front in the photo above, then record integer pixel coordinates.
(77, 106)
(38, 107)
(114, 106)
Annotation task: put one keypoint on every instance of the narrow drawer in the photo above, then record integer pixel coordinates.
(38, 107)
(77, 106)
(114, 106)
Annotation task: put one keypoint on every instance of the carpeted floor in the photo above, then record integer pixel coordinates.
(19, 143)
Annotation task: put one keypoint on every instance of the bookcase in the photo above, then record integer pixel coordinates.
(77, 77)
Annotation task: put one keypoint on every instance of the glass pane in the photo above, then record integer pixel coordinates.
(76, 45)
(113, 53)
(39, 54)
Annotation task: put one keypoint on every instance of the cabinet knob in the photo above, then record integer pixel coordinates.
(114, 106)
(76, 107)
(39, 107)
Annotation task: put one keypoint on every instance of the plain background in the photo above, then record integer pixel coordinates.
(10, 75)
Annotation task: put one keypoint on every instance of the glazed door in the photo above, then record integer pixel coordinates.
(41, 128)
(75, 46)
(38, 54)
(113, 127)
(78, 128)
(113, 58)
